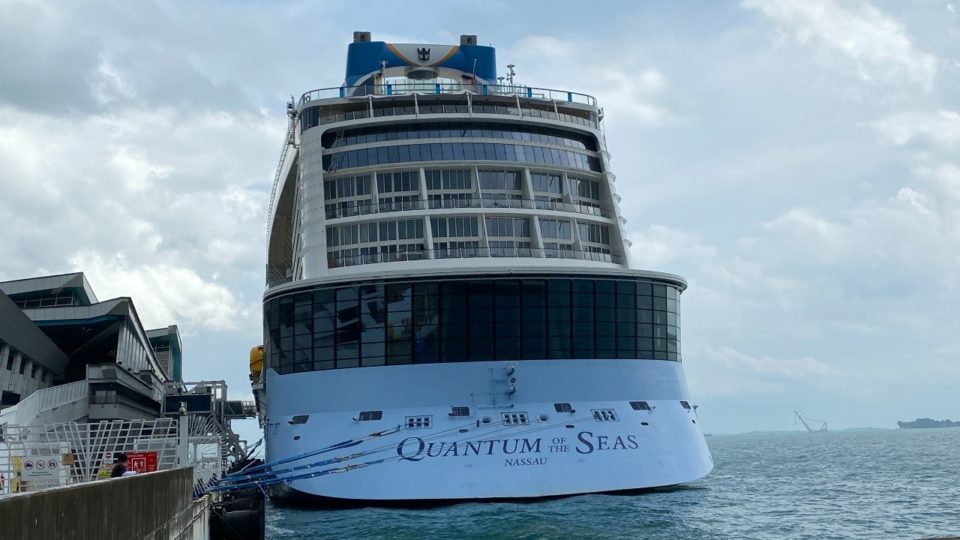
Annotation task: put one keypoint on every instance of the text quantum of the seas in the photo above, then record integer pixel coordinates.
(522, 451)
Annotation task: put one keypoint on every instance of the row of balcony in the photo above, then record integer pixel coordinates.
(360, 208)
(467, 253)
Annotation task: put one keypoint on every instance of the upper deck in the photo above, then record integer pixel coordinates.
(412, 161)
(411, 87)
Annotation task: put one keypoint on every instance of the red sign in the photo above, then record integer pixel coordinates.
(142, 462)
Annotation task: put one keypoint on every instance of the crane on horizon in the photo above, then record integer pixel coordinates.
(822, 428)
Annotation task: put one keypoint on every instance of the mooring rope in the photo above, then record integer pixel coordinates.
(276, 479)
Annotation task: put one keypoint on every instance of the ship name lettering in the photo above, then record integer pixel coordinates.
(415, 448)
(587, 442)
(515, 462)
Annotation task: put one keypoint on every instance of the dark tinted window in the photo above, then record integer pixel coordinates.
(472, 320)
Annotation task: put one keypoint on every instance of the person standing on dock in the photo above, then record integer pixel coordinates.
(120, 465)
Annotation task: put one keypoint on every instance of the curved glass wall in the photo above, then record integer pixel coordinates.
(456, 320)
(457, 130)
(314, 116)
(406, 153)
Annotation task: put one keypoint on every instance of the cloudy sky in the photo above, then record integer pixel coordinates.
(798, 162)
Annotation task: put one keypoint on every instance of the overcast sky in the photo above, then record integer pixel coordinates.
(797, 162)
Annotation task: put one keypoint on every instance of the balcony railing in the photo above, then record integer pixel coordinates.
(361, 208)
(467, 253)
(398, 89)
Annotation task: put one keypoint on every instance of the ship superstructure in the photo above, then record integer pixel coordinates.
(448, 282)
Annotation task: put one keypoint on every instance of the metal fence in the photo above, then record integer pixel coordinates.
(43, 456)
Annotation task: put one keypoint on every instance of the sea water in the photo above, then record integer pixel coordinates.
(852, 484)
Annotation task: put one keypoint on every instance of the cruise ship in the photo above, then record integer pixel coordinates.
(450, 311)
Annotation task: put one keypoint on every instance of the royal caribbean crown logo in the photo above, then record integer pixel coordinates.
(423, 54)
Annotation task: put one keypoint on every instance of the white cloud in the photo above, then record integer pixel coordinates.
(658, 246)
(624, 82)
(162, 293)
(877, 45)
(726, 372)
(939, 127)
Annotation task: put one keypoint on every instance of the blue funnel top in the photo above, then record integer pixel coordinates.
(365, 59)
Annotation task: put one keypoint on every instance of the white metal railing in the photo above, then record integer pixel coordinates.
(43, 456)
(48, 455)
(44, 400)
(390, 89)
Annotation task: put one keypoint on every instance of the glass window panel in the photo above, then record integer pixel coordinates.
(522, 155)
(303, 360)
(583, 301)
(468, 152)
(373, 354)
(582, 286)
(605, 313)
(626, 314)
(304, 327)
(534, 293)
(301, 312)
(372, 333)
(481, 348)
(489, 151)
(454, 332)
(323, 358)
(347, 361)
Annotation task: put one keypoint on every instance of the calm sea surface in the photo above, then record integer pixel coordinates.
(870, 484)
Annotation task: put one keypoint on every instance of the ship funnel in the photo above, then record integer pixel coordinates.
(465, 39)
(361, 37)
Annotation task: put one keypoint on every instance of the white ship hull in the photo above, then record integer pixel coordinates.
(480, 456)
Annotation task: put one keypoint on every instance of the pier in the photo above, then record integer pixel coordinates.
(152, 506)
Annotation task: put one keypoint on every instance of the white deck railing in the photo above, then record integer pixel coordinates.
(399, 89)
